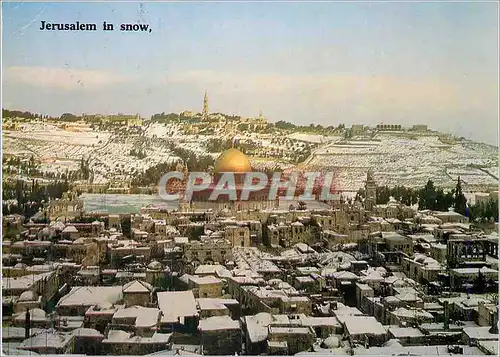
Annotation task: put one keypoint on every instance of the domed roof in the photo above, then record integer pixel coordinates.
(232, 160)
(331, 342)
(155, 265)
(28, 296)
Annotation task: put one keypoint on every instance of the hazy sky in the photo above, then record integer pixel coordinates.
(328, 63)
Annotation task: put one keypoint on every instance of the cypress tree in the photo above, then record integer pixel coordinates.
(460, 202)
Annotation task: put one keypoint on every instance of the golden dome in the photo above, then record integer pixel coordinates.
(232, 160)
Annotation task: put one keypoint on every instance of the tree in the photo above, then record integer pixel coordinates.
(443, 200)
(68, 117)
(460, 202)
(427, 197)
(479, 283)
(484, 211)
(383, 195)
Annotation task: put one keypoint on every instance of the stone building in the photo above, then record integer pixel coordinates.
(137, 292)
(287, 235)
(179, 311)
(370, 191)
(143, 321)
(155, 272)
(466, 250)
(87, 341)
(220, 335)
(81, 298)
(42, 286)
(365, 330)
(209, 251)
(238, 236)
(209, 307)
(119, 342)
(422, 268)
(48, 342)
(297, 339)
(205, 286)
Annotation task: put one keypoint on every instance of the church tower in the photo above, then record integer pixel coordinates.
(204, 114)
(370, 191)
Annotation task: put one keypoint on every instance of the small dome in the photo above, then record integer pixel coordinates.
(393, 343)
(70, 229)
(35, 314)
(232, 160)
(331, 342)
(28, 296)
(155, 265)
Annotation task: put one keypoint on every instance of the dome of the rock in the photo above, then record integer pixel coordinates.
(232, 160)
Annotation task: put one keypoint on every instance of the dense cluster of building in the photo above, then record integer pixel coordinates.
(341, 278)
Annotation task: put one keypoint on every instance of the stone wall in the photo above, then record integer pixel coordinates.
(139, 299)
(297, 342)
(221, 342)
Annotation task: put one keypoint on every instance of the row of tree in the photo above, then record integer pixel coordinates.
(484, 212)
(434, 198)
(192, 160)
(26, 198)
(21, 114)
(219, 145)
(152, 175)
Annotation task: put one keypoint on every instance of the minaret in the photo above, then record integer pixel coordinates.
(370, 191)
(204, 114)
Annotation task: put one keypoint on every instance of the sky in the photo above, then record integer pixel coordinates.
(323, 63)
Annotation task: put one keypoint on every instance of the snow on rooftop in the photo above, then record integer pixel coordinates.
(363, 325)
(215, 304)
(175, 305)
(201, 280)
(480, 333)
(87, 332)
(144, 316)
(91, 295)
(218, 323)
(23, 282)
(257, 326)
(36, 314)
(46, 339)
(402, 332)
(137, 286)
(439, 350)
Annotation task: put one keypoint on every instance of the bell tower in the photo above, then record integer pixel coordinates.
(370, 190)
(204, 113)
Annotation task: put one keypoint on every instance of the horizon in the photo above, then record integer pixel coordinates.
(371, 126)
(350, 63)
